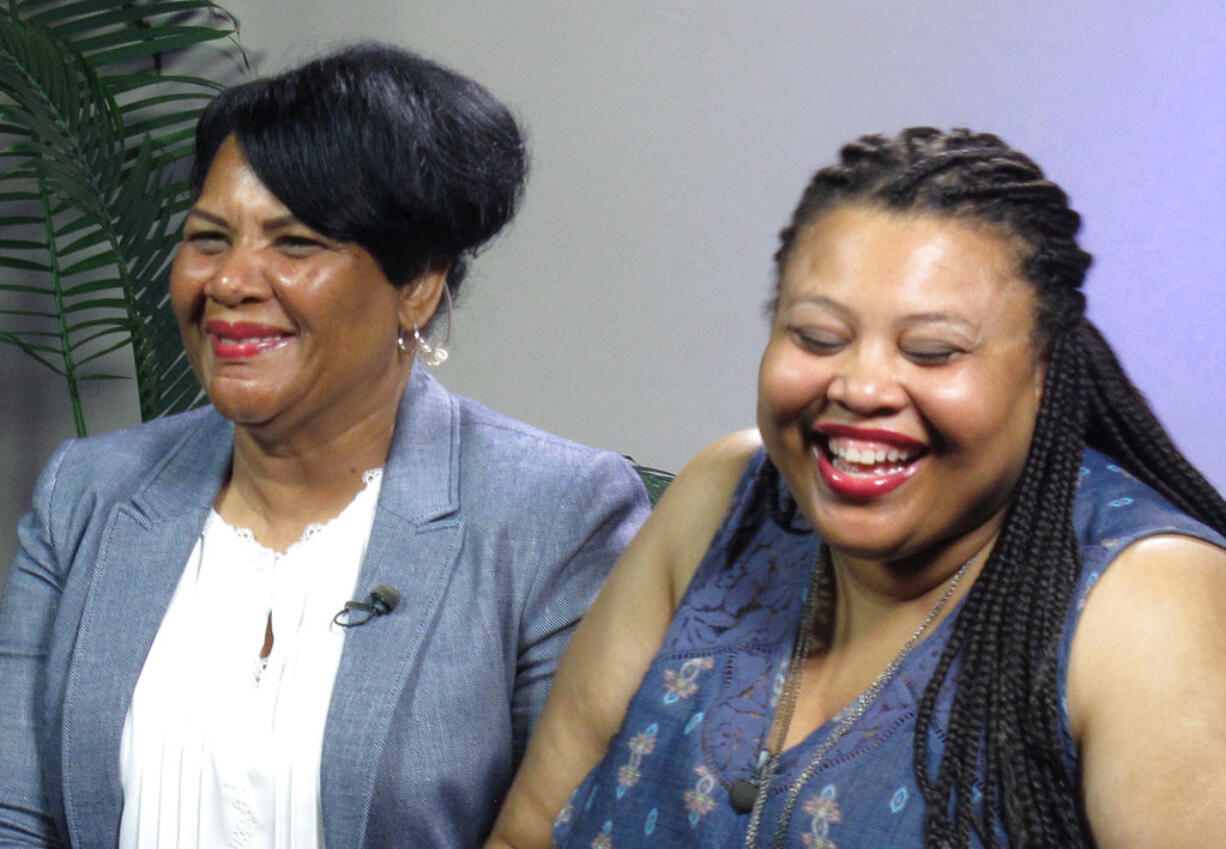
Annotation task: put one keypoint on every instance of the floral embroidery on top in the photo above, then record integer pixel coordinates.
(682, 683)
(899, 800)
(824, 811)
(781, 679)
(1087, 585)
(743, 614)
(245, 822)
(698, 800)
(604, 840)
(643, 743)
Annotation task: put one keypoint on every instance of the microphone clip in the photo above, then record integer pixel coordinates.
(381, 601)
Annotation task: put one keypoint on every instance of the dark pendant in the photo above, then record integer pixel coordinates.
(742, 794)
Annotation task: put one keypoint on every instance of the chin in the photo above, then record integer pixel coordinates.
(862, 537)
(239, 409)
(243, 417)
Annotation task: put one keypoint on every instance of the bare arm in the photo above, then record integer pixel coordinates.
(1147, 697)
(616, 641)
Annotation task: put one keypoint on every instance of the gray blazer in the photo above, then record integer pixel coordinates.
(496, 534)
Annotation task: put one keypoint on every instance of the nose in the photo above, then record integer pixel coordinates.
(238, 277)
(865, 383)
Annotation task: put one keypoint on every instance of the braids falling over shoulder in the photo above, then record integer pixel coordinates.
(1004, 722)
(1003, 756)
(1122, 425)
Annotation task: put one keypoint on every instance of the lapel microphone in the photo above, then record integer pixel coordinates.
(382, 600)
(742, 795)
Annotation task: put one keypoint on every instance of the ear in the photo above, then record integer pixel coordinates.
(419, 299)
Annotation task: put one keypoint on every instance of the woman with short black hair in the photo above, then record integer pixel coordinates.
(324, 610)
(415, 163)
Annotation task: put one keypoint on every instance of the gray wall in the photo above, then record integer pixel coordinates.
(670, 140)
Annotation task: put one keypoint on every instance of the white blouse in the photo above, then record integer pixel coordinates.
(221, 748)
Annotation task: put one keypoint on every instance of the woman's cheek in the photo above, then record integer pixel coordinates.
(788, 381)
(187, 276)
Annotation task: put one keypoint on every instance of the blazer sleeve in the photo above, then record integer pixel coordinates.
(597, 513)
(27, 615)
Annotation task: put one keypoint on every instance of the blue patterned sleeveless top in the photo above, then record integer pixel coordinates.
(701, 714)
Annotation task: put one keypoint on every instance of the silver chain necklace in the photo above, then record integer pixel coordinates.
(769, 764)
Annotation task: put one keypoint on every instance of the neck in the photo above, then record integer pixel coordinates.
(279, 484)
(873, 595)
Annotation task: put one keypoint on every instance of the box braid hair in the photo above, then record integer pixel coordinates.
(1004, 730)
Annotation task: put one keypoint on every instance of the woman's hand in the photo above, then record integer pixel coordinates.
(616, 641)
(1147, 697)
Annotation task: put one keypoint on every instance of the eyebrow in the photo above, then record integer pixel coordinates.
(933, 317)
(279, 222)
(268, 226)
(196, 212)
(822, 301)
(936, 318)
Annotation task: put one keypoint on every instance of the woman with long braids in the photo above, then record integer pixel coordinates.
(958, 589)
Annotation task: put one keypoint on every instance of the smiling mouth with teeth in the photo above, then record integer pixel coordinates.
(862, 464)
(855, 457)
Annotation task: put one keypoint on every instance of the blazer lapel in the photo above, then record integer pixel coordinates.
(415, 538)
(140, 558)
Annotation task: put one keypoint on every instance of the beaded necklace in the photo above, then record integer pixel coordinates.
(746, 792)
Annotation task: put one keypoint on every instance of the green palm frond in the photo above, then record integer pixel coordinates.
(93, 183)
(655, 481)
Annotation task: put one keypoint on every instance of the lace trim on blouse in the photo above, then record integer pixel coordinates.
(369, 477)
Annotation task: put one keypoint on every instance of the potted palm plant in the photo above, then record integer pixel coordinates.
(95, 132)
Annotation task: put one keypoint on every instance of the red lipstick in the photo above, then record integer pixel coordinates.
(896, 459)
(861, 487)
(872, 435)
(238, 340)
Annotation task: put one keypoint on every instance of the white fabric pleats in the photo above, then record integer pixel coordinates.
(219, 748)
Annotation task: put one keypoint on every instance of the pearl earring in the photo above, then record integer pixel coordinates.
(430, 355)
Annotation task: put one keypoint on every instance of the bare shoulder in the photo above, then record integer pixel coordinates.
(721, 463)
(1147, 692)
(617, 639)
(1163, 600)
(1158, 589)
(695, 503)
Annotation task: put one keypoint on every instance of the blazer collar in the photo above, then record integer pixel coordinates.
(413, 545)
(421, 482)
(140, 560)
(421, 479)
(189, 476)
(137, 565)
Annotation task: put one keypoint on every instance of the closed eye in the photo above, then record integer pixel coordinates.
(206, 241)
(292, 245)
(930, 355)
(818, 341)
